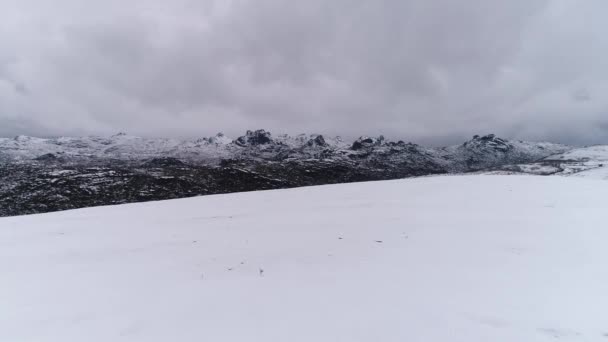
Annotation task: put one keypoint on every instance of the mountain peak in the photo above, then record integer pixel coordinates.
(220, 139)
(254, 138)
(367, 142)
(317, 140)
(488, 141)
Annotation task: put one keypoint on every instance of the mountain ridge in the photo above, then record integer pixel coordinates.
(212, 149)
(42, 175)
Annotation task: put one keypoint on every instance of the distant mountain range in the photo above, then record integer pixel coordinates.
(480, 152)
(41, 175)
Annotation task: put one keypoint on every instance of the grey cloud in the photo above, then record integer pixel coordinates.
(434, 71)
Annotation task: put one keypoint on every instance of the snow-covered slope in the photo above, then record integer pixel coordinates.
(587, 162)
(597, 152)
(451, 258)
(118, 146)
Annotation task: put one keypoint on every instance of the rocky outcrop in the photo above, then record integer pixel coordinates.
(367, 143)
(317, 141)
(254, 138)
(486, 142)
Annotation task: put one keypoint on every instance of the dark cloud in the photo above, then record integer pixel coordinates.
(431, 71)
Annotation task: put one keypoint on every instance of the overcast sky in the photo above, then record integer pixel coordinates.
(430, 71)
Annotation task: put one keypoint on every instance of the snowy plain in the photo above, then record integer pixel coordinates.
(450, 258)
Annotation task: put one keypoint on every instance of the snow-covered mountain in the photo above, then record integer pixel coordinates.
(478, 153)
(125, 147)
(448, 258)
(41, 175)
(119, 146)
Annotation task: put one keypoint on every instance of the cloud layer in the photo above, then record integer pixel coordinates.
(433, 71)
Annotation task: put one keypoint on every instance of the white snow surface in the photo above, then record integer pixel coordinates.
(597, 153)
(586, 162)
(600, 172)
(450, 258)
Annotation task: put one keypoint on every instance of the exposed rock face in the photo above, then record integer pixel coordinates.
(41, 175)
(367, 142)
(489, 141)
(317, 141)
(255, 138)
